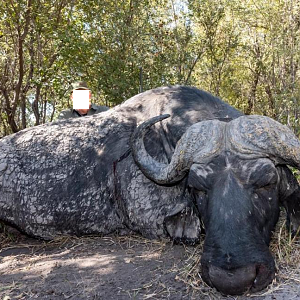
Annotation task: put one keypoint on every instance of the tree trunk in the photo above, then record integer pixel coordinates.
(35, 105)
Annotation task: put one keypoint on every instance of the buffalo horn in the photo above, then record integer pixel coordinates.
(262, 135)
(200, 141)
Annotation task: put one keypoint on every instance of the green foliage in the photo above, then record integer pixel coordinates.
(245, 52)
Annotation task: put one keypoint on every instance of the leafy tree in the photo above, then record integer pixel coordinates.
(245, 52)
(29, 50)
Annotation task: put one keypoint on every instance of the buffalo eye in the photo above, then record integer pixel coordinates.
(264, 177)
(266, 184)
(200, 197)
(264, 189)
(200, 193)
(197, 181)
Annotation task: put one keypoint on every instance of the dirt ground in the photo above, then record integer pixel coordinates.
(128, 267)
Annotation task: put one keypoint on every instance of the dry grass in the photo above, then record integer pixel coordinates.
(286, 252)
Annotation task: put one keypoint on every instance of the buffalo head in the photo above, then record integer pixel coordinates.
(237, 176)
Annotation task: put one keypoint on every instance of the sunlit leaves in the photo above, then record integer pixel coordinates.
(247, 52)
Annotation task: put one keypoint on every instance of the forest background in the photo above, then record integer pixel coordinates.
(246, 52)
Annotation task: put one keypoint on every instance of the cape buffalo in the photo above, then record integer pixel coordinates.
(206, 167)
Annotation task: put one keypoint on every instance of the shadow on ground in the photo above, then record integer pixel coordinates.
(114, 267)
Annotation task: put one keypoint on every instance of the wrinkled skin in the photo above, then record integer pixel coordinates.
(80, 177)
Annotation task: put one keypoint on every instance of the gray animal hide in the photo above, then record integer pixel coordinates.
(77, 176)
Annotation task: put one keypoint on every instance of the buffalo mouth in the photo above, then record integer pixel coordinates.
(250, 278)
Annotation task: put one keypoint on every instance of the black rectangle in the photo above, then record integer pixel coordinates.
(81, 99)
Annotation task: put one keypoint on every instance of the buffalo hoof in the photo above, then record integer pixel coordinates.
(184, 227)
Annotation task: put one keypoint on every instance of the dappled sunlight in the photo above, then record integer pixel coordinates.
(150, 256)
(128, 266)
(84, 266)
(96, 261)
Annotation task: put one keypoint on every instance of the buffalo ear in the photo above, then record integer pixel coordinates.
(289, 196)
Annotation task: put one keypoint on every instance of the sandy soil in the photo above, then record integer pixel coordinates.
(122, 268)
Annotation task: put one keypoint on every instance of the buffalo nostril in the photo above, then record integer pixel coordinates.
(232, 282)
(264, 276)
